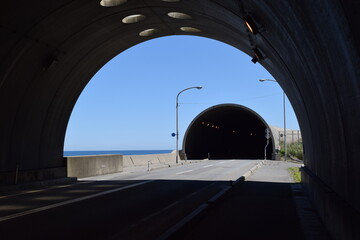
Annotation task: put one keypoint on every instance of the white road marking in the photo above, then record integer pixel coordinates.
(2, 219)
(182, 223)
(43, 190)
(208, 166)
(184, 172)
(154, 214)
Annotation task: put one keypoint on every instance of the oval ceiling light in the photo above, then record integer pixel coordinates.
(179, 15)
(112, 3)
(133, 18)
(171, 0)
(148, 32)
(190, 29)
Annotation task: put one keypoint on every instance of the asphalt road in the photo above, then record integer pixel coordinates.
(135, 204)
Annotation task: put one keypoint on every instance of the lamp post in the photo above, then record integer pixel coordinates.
(272, 80)
(177, 120)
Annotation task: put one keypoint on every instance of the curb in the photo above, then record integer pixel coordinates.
(183, 223)
(248, 173)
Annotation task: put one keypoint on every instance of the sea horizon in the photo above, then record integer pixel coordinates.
(122, 152)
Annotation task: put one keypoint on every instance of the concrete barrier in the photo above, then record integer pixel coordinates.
(142, 160)
(87, 166)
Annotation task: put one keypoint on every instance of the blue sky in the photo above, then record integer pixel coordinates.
(130, 103)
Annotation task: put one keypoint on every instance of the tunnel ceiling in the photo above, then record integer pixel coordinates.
(227, 131)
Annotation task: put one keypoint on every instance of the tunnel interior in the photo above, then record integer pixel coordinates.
(227, 132)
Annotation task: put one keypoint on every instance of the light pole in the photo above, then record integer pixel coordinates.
(272, 80)
(177, 120)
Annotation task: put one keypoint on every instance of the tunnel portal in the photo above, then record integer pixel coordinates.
(227, 131)
(50, 50)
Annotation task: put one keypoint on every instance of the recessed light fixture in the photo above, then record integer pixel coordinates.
(179, 15)
(148, 32)
(171, 0)
(250, 25)
(133, 18)
(112, 3)
(190, 29)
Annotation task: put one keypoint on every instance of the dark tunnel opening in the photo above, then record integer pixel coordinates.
(227, 132)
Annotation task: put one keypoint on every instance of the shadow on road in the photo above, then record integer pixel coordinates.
(253, 210)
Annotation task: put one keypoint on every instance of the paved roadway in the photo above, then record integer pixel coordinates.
(268, 205)
(132, 205)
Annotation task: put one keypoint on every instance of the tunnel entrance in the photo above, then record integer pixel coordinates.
(227, 131)
(51, 49)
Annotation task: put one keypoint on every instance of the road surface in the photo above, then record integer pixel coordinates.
(135, 204)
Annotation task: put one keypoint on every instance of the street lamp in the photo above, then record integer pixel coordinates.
(177, 120)
(272, 80)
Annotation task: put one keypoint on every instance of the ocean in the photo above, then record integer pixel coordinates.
(122, 152)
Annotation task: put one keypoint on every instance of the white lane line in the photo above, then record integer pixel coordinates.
(221, 163)
(184, 171)
(208, 166)
(44, 189)
(154, 214)
(183, 222)
(2, 219)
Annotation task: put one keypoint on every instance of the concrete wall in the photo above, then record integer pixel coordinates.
(142, 160)
(292, 136)
(25, 176)
(334, 210)
(86, 166)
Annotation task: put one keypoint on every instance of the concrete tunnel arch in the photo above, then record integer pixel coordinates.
(50, 50)
(227, 131)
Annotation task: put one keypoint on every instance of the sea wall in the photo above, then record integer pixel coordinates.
(87, 166)
(142, 160)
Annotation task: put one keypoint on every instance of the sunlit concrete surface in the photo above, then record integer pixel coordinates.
(50, 49)
(208, 170)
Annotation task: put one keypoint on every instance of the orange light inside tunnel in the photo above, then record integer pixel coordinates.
(249, 27)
